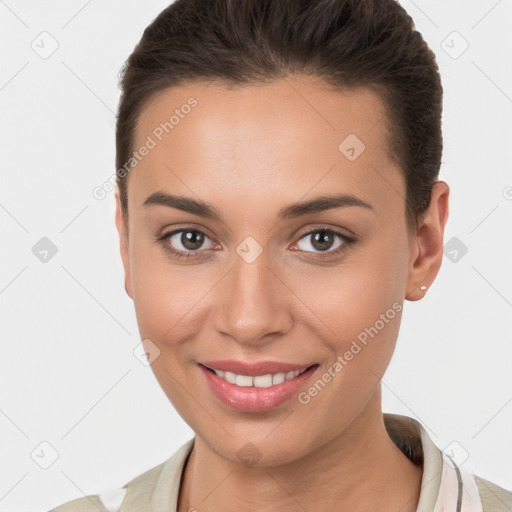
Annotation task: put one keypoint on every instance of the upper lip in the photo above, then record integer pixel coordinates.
(254, 369)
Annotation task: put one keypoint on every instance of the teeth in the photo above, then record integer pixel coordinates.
(230, 377)
(261, 381)
(243, 380)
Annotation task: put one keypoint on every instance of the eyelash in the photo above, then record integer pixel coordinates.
(346, 241)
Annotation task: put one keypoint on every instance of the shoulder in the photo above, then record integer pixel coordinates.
(494, 498)
(109, 501)
(161, 482)
(137, 491)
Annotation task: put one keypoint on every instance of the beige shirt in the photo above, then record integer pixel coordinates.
(445, 485)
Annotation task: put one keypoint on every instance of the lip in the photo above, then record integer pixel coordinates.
(254, 369)
(254, 399)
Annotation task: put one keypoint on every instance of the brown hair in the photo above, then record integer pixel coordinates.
(346, 43)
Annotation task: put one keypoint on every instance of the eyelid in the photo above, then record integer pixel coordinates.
(171, 230)
(328, 227)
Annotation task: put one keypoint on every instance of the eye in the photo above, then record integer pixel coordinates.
(192, 243)
(186, 242)
(323, 241)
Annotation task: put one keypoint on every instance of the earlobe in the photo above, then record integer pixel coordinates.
(123, 242)
(427, 247)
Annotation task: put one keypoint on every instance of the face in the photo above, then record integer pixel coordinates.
(234, 272)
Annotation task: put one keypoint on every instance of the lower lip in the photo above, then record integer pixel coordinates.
(253, 399)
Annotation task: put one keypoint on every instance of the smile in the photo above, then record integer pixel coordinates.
(262, 387)
(259, 381)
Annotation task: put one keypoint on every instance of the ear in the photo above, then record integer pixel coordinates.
(427, 243)
(123, 242)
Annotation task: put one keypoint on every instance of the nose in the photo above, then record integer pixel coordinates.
(253, 305)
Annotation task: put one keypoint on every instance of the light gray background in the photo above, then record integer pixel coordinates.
(68, 373)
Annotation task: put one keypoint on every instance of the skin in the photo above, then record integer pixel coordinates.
(250, 152)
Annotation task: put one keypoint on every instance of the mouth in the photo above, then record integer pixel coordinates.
(258, 381)
(257, 392)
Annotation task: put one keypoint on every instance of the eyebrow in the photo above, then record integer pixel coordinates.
(292, 211)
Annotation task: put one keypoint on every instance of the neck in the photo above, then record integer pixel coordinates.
(361, 469)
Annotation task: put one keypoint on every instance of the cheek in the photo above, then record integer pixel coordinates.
(362, 307)
(369, 322)
(357, 307)
(351, 297)
(166, 296)
(168, 306)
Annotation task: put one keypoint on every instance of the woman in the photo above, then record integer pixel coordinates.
(277, 202)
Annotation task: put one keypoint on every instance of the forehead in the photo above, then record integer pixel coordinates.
(282, 139)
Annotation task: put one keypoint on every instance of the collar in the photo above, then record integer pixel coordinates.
(444, 486)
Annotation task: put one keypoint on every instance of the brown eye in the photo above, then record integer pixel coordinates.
(191, 240)
(186, 240)
(322, 240)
